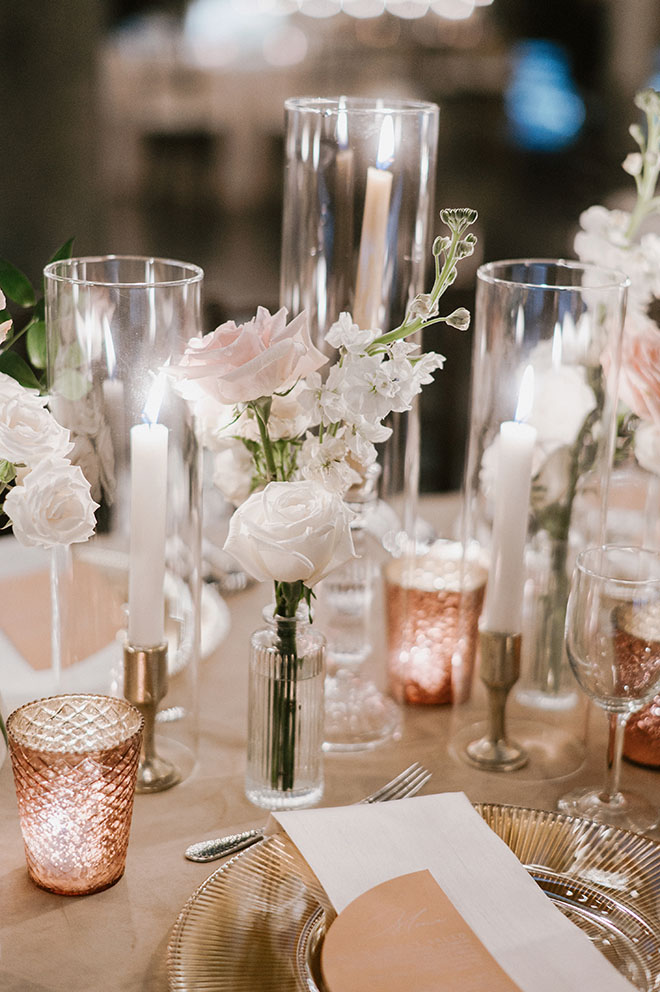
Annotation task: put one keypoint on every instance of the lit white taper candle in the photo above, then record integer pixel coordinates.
(504, 593)
(373, 239)
(146, 580)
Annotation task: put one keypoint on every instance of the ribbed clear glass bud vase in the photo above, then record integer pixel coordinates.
(285, 713)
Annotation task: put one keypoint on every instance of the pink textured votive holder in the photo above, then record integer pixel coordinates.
(75, 760)
(433, 603)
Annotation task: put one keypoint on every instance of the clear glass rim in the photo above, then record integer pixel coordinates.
(583, 556)
(22, 741)
(57, 271)
(334, 105)
(610, 278)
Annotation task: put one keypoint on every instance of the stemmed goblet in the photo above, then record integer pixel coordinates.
(613, 645)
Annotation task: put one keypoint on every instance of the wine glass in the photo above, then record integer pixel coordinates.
(613, 645)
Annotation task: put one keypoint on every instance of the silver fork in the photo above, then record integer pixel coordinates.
(407, 783)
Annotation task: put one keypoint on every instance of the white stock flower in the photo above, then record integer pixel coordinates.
(28, 431)
(291, 532)
(603, 241)
(345, 334)
(326, 461)
(52, 506)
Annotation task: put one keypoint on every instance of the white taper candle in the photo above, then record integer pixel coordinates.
(146, 606)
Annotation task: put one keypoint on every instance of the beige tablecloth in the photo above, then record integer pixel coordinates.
(116, 941)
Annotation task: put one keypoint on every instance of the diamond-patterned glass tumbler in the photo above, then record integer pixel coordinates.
(75, 760)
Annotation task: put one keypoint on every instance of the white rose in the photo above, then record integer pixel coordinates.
(561, 422)
(290, 532)
(52, 506)
(28, 431)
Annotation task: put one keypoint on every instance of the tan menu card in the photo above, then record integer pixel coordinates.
(405, 935)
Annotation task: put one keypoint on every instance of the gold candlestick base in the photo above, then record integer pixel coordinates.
(500, 669)
(145, 684)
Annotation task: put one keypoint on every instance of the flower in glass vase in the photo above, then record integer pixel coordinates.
(309, 437)
(630, 239)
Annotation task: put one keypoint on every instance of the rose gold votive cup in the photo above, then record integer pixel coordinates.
(75, 760)
(433, 603)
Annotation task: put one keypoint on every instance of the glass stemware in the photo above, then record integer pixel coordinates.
(613, 645)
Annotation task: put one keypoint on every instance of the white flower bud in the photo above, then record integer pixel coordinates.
(633, 164)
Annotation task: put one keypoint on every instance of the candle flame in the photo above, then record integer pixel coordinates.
(342, 124)
(520, 325)
(110, 353)
(154, 400)
(385, 155)
(557, 346)
(526, 395)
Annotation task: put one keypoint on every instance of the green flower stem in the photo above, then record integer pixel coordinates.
(442, 279)
(285, 690)
(261, 409)
(647, 180)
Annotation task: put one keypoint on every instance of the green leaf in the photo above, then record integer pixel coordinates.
(15, 285)
(39, 312)
(63, 252)
(71, 384)
(13, 365)
(7, 471)
(36, 343)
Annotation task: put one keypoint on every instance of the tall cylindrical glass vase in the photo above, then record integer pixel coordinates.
(546, 352)
(357, 226)
(126, 604)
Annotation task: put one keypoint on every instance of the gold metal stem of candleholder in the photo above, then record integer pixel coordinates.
(500, 669)
(145, 685)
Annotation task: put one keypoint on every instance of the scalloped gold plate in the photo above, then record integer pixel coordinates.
(257, 924)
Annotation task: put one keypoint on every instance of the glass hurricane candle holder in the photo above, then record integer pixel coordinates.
(357, 225)
(544, 375)
(546, 351)
(126, 604)
(75, 760)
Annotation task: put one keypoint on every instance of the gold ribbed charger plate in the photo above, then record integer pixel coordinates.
(257, 924)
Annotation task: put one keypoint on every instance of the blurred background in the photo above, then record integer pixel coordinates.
(157, 127)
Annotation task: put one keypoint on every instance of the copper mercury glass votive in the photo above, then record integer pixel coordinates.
(75, 759)
(433, 603)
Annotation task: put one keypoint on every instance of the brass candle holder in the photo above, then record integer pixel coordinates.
(145, 685)
(499, 672)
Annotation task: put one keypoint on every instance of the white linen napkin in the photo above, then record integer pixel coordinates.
(350, 849)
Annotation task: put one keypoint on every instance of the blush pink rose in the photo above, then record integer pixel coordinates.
(639, 381)
(237, 363)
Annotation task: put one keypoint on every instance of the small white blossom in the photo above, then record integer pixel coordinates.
(346, 334)
(326, 461)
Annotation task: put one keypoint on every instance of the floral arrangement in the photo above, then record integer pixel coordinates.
(45, 497)
(618, 239)
(290, 443)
